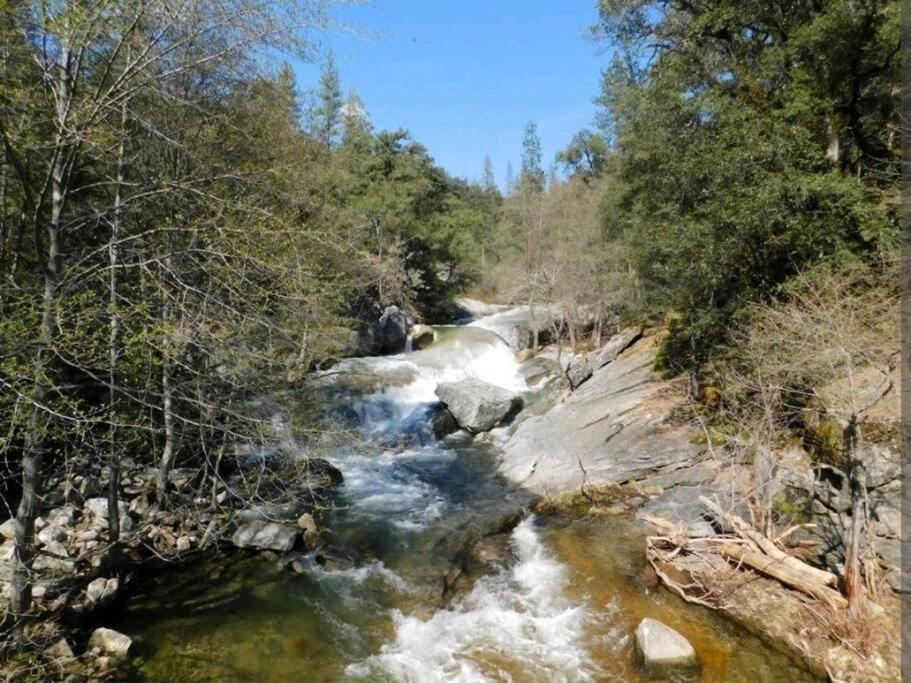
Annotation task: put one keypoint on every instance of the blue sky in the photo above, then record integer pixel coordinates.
(465, 76)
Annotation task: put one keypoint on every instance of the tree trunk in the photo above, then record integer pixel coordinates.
(113, 342)
(167, 453)
(854, 584)
(20, 582)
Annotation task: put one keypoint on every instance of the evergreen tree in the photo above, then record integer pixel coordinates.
(326, 115)
(532, 172)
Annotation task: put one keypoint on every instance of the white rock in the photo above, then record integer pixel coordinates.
(183, 544)
(51, 533)
(662, 647)
(110, 641)
(265, 535)
(62, 516)
(8, 529)
(95, 590)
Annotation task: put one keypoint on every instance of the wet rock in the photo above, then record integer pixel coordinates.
(443, 422)
(476, 405)
(309, 531)
(392, 330)
(265, 536)
(323, 473)
(111, 642)
(422, 336)
(663, 649)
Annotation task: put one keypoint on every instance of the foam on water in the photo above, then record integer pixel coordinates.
(396, 418)
(515, 625)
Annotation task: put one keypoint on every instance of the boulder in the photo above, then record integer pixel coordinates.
(62, 516)
(52, 532)
(101, 589)
(54, 558)
(422, 336)
(615, 346)
(309, 531)
(110, 642)
(392, 330)
(99, 508)
(662, 648)
(443, 422)
(265, 536)
(8, 529)
(272, 512)
(323, 473)
(478, 406)
(580, 368)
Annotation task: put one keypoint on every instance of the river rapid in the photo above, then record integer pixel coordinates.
(555, 600)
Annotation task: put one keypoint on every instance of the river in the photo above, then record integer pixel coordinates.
(554, 600)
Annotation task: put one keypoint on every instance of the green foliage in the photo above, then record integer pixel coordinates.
(756, 140)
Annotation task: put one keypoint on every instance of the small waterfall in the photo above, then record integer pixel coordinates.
(512, 626)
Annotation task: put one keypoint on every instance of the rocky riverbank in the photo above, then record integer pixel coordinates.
(615, 443)
(80, 573)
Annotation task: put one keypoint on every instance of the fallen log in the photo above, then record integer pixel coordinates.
(764, 545)
(799, 580)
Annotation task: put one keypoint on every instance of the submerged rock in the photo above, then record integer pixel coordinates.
(662, 648)
(265, 536)
(478, 406)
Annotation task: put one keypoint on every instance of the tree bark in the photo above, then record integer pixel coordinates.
(167, 453)
(20, 580)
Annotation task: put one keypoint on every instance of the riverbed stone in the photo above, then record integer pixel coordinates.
(662, 648)
(478, 406)
(422, 336)
(111, 642)
(52, 532)
(392, 330)
(8, 529)
(265, 536)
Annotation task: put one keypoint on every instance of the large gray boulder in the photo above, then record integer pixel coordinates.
(265, 535)
(615, 346)
(580, 369)
(392, 330)
(478, 406)
(662, 648)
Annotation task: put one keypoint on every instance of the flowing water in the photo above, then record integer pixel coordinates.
(557, 601)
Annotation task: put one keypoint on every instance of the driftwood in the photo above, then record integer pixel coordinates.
(763, 545)
(799, 579)
(742, 545)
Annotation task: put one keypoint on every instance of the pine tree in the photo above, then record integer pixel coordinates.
(326, 115)
(532, 173)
